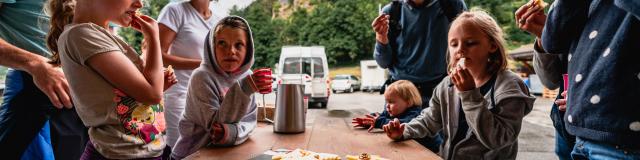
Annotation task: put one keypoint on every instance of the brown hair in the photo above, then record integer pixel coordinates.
(232, 22)
(61, 12)
(488, 25)
(406, 91)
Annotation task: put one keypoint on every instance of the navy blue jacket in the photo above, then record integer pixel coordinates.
(602, 40)
(422, 43)
(405, 117)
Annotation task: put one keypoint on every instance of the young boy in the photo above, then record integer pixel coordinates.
(221, 110)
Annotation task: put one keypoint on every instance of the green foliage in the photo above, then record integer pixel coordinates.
(342, 27)
(134, 38)
(503, 11)
(3, 72)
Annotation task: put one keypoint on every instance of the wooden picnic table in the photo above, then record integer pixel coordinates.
(329, 132)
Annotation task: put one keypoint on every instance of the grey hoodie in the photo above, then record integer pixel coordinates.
(215, 96)
(493, 132)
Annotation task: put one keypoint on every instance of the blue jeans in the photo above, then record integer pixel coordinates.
(564, 140)
(563, 147)
(588, 149)
(23, 114)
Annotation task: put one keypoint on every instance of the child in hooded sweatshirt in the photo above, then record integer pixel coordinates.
(221, 108)
(480, 105)
(403, 101)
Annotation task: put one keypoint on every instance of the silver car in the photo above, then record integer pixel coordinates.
(345, 83)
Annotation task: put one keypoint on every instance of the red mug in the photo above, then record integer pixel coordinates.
(565, 78)
(262, 72)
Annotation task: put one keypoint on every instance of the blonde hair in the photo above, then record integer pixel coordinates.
(488, 25)
(61, 12)
(406, 91)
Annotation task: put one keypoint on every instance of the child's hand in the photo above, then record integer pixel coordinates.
(394, 129)
(361, 122)
(169, 78)
(262, 80)
(217, 132)
(562, 103)
(368, 121)
(145, 24)
(372, 121)
(462, 79)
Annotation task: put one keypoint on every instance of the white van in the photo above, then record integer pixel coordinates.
(308, 66)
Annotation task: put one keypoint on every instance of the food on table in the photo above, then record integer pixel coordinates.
(365, 156)
(301, 154)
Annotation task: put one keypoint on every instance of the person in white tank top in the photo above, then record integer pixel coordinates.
(183, 27)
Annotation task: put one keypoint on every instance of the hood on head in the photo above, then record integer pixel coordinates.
(209, 61)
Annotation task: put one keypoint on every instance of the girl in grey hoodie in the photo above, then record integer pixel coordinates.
(480, 105)
(221, 109)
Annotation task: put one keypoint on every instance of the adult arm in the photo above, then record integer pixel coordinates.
(167, 36)
(48, 78)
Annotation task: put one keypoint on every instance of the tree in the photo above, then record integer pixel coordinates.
(503, 11)
(343, 27)
(265, 31)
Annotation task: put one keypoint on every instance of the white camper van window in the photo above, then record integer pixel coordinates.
(318, 69)
(297, 65)
(292, 66)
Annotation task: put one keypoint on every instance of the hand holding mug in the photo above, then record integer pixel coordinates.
(262, 80)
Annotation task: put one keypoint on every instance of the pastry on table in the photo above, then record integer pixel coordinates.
(365, 156)
(301, 154)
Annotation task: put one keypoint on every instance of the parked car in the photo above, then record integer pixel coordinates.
(307, 66)
(345, 83)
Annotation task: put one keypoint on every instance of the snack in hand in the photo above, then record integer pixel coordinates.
(461, 62)
(539, 3)
(170, 69)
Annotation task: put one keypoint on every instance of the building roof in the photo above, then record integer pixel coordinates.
(524, 53)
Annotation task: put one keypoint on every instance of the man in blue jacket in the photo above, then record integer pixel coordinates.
(601, 39)
(411, 41)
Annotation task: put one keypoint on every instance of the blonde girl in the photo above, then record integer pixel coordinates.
(480, 105)
(115, 92)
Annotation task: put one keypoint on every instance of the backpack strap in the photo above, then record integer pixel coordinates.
(493, 90)
(448, 10)
(394, 27)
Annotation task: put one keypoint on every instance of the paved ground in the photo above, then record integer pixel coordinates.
(536, 139)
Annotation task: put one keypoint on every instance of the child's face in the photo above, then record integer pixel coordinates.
(470, 42)
(122, 10)
(395, 104)
(231, 48)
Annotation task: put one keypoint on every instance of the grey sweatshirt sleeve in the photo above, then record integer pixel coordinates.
(548, 67)
(429, 122)
(238, 113)
(494, 129)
